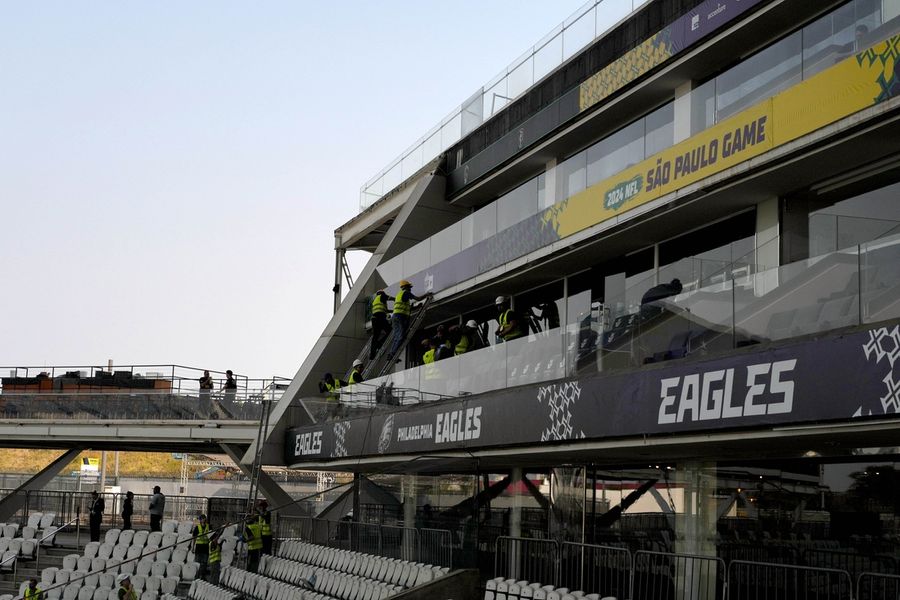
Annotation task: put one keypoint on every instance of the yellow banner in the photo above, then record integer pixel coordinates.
(854, 84)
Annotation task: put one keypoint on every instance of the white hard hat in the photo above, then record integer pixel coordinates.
(500, 300)
(472, 324)
(121, 577)
(357, 363)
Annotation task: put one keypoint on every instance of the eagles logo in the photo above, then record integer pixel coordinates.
(387, 432)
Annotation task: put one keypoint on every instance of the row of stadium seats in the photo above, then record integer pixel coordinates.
(322, 583)
(201, 590)
(499, 588)
(387, 570)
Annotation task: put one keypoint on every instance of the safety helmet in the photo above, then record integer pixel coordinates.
(404, 283)
(122, 577)
(472, 324)
(357, 363)
(500, 300)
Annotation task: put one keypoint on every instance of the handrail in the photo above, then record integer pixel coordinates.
(57, 530)
(37, 548)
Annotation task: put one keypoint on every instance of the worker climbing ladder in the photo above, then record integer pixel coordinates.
(384, 360)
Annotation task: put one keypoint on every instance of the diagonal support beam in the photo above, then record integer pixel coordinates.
(278, 498)
(15, 500)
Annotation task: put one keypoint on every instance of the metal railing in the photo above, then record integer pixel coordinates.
(527, 558)
(659, 575)
(877, 586)
(589, 566)
(751, 581)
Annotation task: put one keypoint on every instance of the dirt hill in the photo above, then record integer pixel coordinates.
(131, 464)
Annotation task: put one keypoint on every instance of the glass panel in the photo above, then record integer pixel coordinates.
(467, 232)
(517, 205)
(610, 12)
(496, 97)
(615, 153)
(855, 220)
(535, 358)
(482, 370)
(703, 107)
(880, 280)
(440, 380)
(797, 299)
(579, 34)
(392, 178)
(432, 146)
(521, 77)
(660, 127)
(485, 223)
(445, 243)
(417, 258)
(547, 56)
(542, 192)
(571, 176)
(451, 131)
(472, 113)
(828, 40)
(774, 69)
(412, 162)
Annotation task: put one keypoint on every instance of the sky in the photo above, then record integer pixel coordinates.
(171, 173)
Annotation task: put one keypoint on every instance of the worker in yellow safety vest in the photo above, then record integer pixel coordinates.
(33, 592)
(331, 386)
(468, 338)
(356, 375)
(380, 325)
(215, 559)
(200, 535)
(510, 325)
(402, 310)
(265, 524)
(252, 535)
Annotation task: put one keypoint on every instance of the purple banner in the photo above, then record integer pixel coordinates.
(832, 379)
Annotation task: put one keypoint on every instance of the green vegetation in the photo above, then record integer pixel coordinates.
(131, 464)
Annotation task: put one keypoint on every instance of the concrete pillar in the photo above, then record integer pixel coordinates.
(695, 531)
(409, 516)
(550, 184)
(768, 247)
(515, 523)
(682, 129)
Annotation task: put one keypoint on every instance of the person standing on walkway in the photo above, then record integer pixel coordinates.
(230, 387)
(206, 387)
(215, 558)
(402, 310)
(200, 545)
(157, 507)
(127, 510)
(380, 324)
(265, 525)
(96, 515)
(252, 535)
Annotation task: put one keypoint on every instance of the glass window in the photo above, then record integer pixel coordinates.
(703, 106)
(615, 153)
(660, 129)
(772, 70)
(829, 40)
(517, 205)
(570, 176)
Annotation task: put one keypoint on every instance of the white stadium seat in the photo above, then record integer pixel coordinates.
(112, 536)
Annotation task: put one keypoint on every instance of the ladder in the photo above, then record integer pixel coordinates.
(265, 407)
(383, 361)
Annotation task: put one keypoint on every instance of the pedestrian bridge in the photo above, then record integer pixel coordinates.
(137, 407)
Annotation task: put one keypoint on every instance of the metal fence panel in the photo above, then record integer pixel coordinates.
(852, 562)
(605, 570)
(436, 547)
(531, 559)
(750, 580)
(877, 586)
(670, 576)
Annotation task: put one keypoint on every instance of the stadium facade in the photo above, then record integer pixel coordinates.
(746, 148)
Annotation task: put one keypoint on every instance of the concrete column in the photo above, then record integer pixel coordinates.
(550, 183)
(515, 523)
(409, 516)
(682, 111)
(768, 247)
(695, 530)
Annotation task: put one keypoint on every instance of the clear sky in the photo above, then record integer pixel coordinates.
(171, 173)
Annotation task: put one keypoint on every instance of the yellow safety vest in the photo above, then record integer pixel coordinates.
(463, 345)
(255, 542)
(332, 389)
(355, 376)
(511, 334)
(378, 304)
(264, 527)
(401, 303)
(35, 594)
(428, 357)
(215, 554)
(202, 538)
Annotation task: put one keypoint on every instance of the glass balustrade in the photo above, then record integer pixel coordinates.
(720, 306)
(590, 22)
